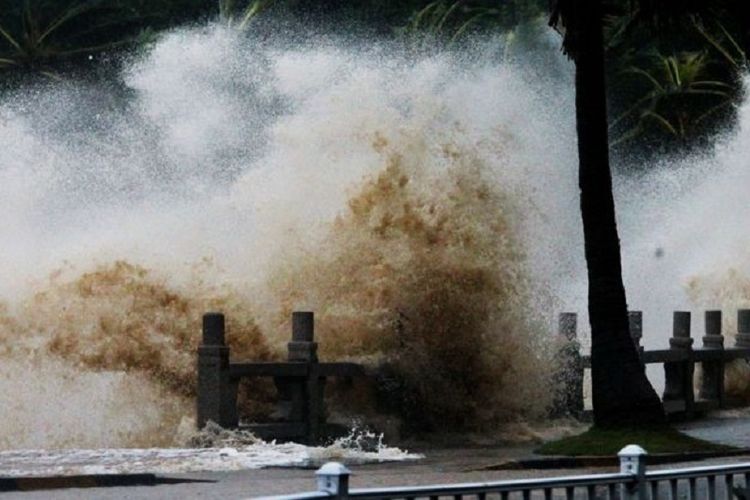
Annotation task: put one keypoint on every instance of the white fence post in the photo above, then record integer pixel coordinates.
(333, 478)
(633, 461)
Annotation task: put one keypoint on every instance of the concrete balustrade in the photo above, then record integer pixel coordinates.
(217, 392)
(743, 329)
(635, 324)
(712, 379)
(569, 390)
(680, 376)
(300, 381)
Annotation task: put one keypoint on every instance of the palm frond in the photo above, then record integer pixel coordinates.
(466, 26)
(737, 61)
(34, 42)
(645, 74)
(241, 17)
(661, 121)
(676, 94)
(712, 111)
(253, 10)
(62, 19)
(442, 21)
(7, 36)
(444, 18)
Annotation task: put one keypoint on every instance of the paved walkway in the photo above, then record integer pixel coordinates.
(445, 466)
(731, 427)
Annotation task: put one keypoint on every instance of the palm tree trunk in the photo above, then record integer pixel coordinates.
(622, 395)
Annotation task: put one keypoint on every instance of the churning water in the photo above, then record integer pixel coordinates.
(425, 206)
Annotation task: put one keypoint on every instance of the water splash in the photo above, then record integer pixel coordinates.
(425, 206)
(682, 232)
(163, 461)
(424, 274)
(410, 200)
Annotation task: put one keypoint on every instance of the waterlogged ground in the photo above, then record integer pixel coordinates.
(217, 450)
(730, 427)
(440, 466)
(26, 463)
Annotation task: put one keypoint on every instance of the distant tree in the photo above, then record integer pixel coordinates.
(622, 395)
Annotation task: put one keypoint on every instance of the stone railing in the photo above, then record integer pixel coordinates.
(681, 379)
(300, 382)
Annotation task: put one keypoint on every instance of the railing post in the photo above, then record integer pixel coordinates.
(635, 324)
(303, 348)
(333, 478)
(743, 329)
(633, 461)
(712, 381)
(568, 326)
(569, 397)
(217, 394)
(678, 375)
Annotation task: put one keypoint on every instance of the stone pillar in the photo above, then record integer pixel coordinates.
(217, 393)
(743, 329)
(302, 400)
(303, 347)
(712, 381)
(678, 375)
(635, 323)
(569, 391)
(568, 326)
(316, 409)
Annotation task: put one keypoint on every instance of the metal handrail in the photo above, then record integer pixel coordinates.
(494, 486)
(696, 472)
(633, 480)
(301, 496)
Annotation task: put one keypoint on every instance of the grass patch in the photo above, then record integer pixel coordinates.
(602, 442)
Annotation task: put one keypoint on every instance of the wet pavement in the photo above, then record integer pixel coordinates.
(730, 427)
(440, 465)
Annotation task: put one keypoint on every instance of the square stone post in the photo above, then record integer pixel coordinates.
(712, 380)
(301, 399)
(678, 375)
(303, 348)
(217, 393)
(743, 329)
(569, 391)
(635, 324)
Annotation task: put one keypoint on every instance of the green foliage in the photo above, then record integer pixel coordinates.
(44, 34)
(674, 67)
(674, 73)
(723, 42)
(239, 16)
(442, 19)
(679, 96)
(445, 21)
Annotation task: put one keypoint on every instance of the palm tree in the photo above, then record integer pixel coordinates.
(622, 395)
